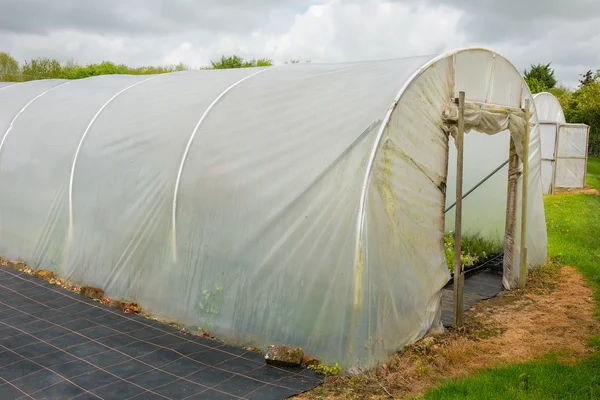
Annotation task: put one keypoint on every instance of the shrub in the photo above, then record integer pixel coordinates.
(474, 249)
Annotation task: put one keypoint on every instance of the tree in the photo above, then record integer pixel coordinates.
(180, 67)
(68, 70)
(544, 76)
(42, 68)
(227, 62)
(535, 86)
(587, 78)
(563, 95)
(46, 68)
(9, 67)
(297, 61)
(261, 62)
(584, 107)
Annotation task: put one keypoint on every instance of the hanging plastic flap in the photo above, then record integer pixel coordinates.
(488, 119)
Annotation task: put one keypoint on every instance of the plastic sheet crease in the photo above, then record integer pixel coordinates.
(488, 119)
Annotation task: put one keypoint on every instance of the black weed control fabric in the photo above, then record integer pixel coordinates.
(478, 286)
(55, 344)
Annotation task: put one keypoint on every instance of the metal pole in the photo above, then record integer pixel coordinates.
(523, 259)
(458, 272)
(481, 182)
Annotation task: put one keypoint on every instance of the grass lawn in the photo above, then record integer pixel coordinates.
(573, 239)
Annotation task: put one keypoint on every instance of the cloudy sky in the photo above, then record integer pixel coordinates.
(142, 32)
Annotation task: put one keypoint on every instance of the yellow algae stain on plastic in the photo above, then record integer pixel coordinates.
(359, 273)
(384, 187)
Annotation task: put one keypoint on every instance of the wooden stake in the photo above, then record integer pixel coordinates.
(458, 270)
(511, 210)
(553, 183)
(523, 259)
(587, 149)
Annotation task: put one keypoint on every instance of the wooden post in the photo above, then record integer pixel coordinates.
(511, 210)
(553, 183)
(523, 259)
(458, 270)
(587, 150)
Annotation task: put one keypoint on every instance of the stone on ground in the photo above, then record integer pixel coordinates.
(92, 292)
(117, 304)
(18, 265)
(44, 274)
(308, 361)
(284, 356)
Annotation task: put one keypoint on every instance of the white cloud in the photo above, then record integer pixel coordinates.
(141, 32)
(342, 31)
(572, 47)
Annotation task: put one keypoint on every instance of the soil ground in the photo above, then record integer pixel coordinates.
(586, 190)
(553, 315)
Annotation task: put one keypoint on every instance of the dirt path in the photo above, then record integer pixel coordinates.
(555, 315)
(586, 190)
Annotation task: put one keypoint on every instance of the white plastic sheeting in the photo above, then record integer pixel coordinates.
(299, 205)
(548, 108)
(5, 84)
(548, 133)
(572, 141)
(571, 161)
(550, 113)
(491, 79)
(564, 146)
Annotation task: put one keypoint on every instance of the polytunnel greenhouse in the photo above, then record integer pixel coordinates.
(564, 146)
(303, 204)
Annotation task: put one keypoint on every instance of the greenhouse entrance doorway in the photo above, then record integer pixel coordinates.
(494, 250)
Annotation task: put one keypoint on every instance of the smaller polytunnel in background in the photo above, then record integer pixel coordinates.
(564, 146)
(300, 205)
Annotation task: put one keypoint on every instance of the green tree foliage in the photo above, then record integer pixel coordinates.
(584, 107)
(586, 78)
(535, 86)
(563, 94)
(580, 106)
(540, 78)
(227, 62)
(46, 68)
(42, 67)
(74, 71)
(297, 61)
(9, 67)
